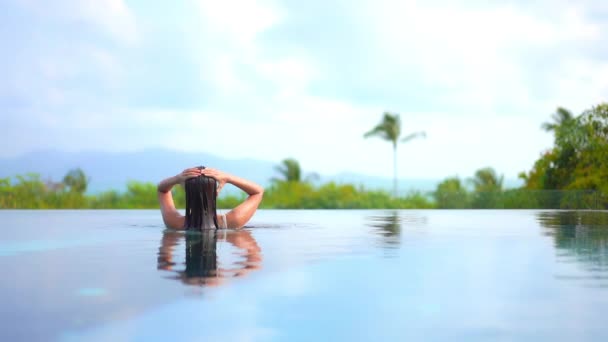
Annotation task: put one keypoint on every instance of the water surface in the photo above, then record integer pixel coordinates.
(306, 275)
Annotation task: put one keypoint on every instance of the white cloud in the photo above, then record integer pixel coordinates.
(238, 22)
(471, 53)
(112, 17)
(582, 76)
(291, 76)
(474, 53)
(480, 80)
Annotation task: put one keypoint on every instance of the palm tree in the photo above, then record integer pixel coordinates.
(290, 171)
(561, 117)
(487, 179)
(76, 180)
(488, 186)
(389, 129)
(567, 129)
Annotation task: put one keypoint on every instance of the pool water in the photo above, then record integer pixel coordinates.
(327, 275)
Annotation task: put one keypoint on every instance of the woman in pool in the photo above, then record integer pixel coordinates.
(202, 186)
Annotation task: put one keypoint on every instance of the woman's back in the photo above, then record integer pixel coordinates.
(202, 188)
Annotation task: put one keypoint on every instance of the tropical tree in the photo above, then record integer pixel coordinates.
(389, 129)
(561, 117)
(76, 181)
(290, 171)
(579, 158)
(590, 171)
(486, 179)
(488, 188)
(451, 194)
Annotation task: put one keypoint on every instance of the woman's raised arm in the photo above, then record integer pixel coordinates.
(171, 217)
(237, 217)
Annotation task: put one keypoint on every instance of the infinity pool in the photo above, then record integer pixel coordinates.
(319, 275)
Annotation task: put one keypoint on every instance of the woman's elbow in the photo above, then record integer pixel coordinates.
(258, 197)
(257, 193)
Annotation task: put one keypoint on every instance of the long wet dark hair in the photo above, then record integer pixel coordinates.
(201, 255)
(201, 200)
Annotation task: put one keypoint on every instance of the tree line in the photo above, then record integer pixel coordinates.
(573, 174)
(31, 192)
(482, 191)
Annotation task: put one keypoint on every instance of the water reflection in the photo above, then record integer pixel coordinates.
(580, 236)
(389, 226)
(202, 265)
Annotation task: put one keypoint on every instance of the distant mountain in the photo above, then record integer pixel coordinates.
(108, 170)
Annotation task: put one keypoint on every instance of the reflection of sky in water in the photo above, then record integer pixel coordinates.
(330, 275)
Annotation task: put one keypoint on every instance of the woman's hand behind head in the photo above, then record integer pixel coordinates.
(187, 174)
(221, 177)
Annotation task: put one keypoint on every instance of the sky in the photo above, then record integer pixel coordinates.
(266, 79)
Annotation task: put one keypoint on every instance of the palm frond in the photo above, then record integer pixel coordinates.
(414, 135)
(560, 118)
(376, 131)
(547, 126)
(388, 129)
(290, 170)
(563, 115)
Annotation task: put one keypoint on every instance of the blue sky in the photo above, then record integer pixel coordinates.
(272, 79)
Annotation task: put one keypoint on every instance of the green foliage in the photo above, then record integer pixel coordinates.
(293, 195)
(579, 157)
(141, 195)
(288, 195)
(450, 194)
(572, 175)
(108, 200)
(290, 171)
(76, 181)
(6, 194)
(561, 117)
(388, 129)
(487, 193)
(488, 189)
(29, 192)
(486, 180)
